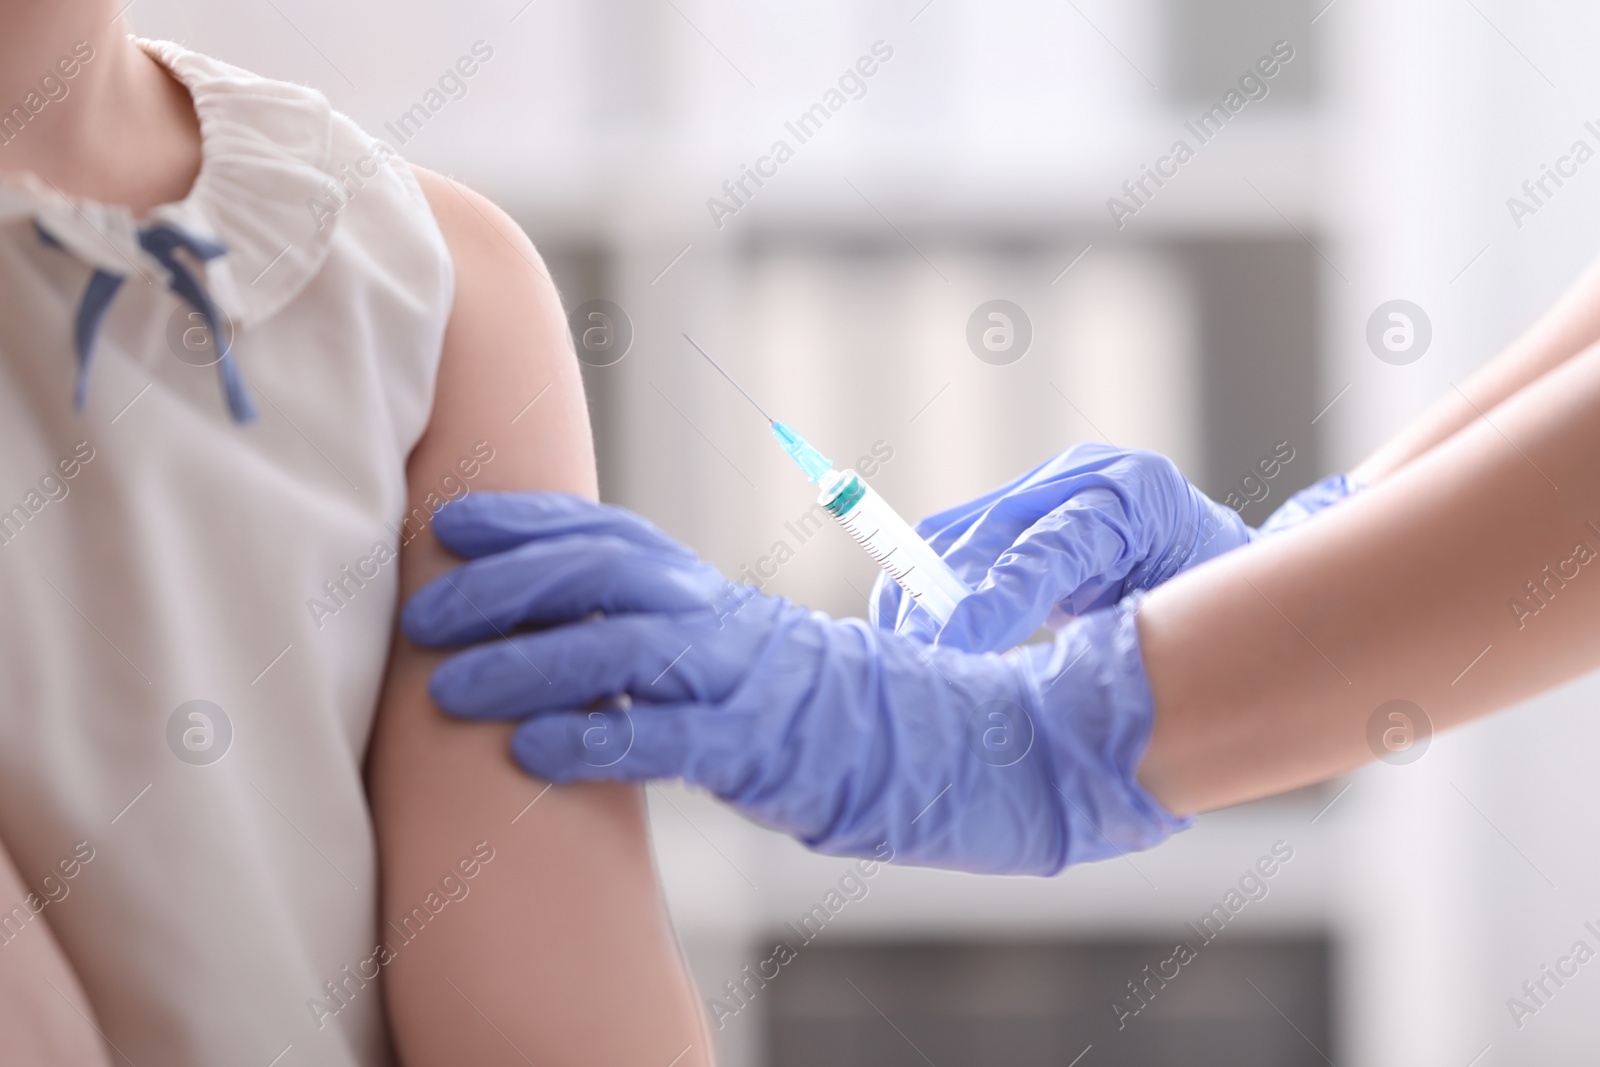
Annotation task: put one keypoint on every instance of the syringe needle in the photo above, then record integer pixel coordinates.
(725, 374)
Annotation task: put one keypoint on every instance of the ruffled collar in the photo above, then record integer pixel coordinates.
(264, 151)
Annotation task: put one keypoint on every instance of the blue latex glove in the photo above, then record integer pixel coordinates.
(1079, 532)
(842, 735)
(1309, 501)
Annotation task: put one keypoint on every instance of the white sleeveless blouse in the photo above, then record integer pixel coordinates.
(182, 729)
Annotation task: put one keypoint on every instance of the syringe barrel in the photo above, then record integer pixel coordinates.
(892, 543)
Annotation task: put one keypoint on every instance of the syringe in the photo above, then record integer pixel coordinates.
(876, 527)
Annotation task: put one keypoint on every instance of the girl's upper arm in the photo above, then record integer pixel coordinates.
(527, 925)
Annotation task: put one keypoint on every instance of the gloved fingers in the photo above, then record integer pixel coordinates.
(987, 533)
(992, 533)
(972, 535)
(552, 581)
(480, 524)
(734, 754)
(983, 537)
(644, 742)
(1073, 559)
(943, 528)
(647, 657)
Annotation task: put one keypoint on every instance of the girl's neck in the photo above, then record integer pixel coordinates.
(87, 111)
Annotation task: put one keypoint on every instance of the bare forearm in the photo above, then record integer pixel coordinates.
(1571, 325)
(1266, 665)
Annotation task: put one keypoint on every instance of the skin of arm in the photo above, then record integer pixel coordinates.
(562, 951)
(1265, 665)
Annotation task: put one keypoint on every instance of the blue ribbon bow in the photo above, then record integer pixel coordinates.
(162, 241)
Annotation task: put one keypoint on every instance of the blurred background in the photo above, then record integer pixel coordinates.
(1220, 315)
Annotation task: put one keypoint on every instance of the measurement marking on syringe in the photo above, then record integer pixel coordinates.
(877, 553)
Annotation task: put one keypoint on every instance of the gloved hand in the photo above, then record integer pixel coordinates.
(842, 735)
(1079, 532)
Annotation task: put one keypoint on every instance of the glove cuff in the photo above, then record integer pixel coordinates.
(1096, 715)
(1314, 498)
